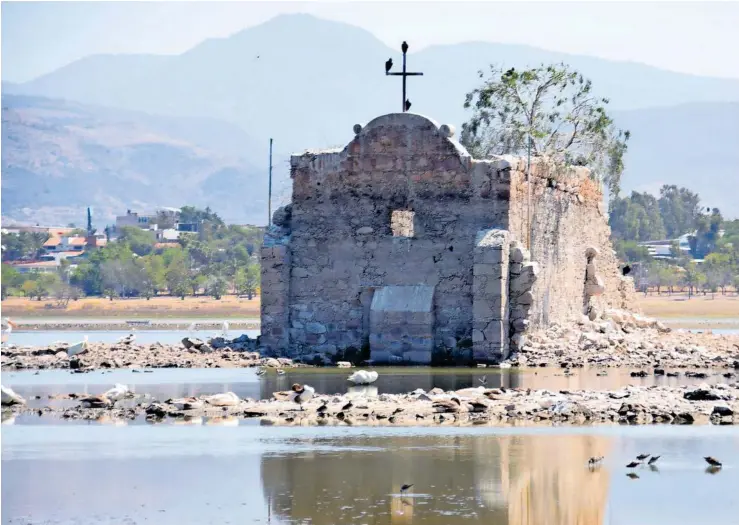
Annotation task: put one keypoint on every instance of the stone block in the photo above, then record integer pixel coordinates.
(490, 255)
(300, 272)
(315, 328)
(417, 357)
(525, 299)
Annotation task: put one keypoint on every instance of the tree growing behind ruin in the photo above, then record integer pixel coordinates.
(555, 106)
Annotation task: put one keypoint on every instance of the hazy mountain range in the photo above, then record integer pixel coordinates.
(305, 82)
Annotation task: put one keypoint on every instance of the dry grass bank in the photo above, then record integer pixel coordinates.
(229, 307)
(698, 306)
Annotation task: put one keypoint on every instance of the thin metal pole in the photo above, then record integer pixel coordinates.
(269, 197)
(404, 77)
(528, 180)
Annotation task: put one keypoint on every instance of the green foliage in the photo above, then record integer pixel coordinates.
(248, 280)
(140, 241)
(636, 218)
(706, 234)
(630, 251)
(11, 279)
(219, 260)
(216, 287)
(679, 208)
(556, 107)
(25, 245)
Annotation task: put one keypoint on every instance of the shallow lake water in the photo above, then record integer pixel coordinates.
(164, 383)
(75, 474)
(47, 337)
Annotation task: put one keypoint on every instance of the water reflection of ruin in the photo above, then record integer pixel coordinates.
(518, 480)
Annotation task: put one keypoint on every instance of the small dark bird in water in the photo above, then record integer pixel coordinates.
(347, 406)
(388, 65)
(405, 487)
(407, 104)
(632, 475)
(712, 461)
(642, 457)
(626, 270)
(653, 460)
(404, 47)
(633, 464)
(595, 460)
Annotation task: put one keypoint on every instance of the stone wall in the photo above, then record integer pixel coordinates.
(404, 205)
(568, 217)
(401, 204)
(275, 316)
(490, 310)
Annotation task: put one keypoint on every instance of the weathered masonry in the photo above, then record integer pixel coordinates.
(402, 248)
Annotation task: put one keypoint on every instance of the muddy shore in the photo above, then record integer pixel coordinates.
(716, 404)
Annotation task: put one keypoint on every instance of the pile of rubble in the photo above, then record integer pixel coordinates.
(623, 339)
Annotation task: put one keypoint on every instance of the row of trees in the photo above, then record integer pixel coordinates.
(217, 260)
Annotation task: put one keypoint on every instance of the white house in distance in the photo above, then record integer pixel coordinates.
(148, 221)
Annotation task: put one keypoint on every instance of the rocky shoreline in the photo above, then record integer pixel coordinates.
(716, 404)
(191, 353)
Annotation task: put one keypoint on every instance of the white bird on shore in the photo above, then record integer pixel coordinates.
(11, 398)
(223, 400)
(7, 329)
(301, 394)
(117, 393)
(224, 329)
(130, 338)
(363, 377)
(186, 403)
(192, 329)
(77, 347)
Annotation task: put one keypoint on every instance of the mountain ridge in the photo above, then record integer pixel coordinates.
(306, 81)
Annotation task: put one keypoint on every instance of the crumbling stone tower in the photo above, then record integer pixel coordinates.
(402, 248)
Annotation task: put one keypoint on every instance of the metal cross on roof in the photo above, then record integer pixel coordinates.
(404, 74)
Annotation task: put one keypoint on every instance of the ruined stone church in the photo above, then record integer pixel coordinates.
(401, 248)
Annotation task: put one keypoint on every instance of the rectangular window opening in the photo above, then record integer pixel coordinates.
(401, 223)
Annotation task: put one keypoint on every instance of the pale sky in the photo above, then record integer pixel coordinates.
(699, 38)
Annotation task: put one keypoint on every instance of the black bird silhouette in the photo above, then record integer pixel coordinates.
(642, 457)
(322, 409)
(632, 475)
(626, 270)
(405, 487)
(397, 411)
(404, 47)
(712, 461)
(653, 460)
(633, 464)
(347, 406)
(388, 65)
(407, 104)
